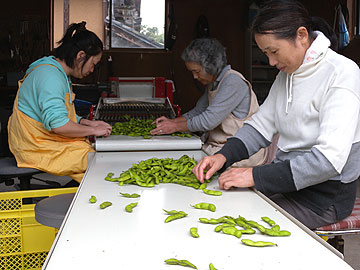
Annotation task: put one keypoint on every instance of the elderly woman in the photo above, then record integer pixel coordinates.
(227, 102)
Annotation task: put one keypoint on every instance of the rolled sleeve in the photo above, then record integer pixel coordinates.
(233, 94)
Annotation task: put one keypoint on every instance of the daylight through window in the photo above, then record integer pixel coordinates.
(136, 24)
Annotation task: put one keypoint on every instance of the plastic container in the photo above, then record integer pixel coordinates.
(24, 243)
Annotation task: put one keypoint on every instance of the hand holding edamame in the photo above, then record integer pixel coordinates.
(210, 163)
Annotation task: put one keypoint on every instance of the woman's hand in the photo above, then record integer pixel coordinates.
(210, 163)
(165, 125)
(84, 128)
(101, 128)
(236, 177)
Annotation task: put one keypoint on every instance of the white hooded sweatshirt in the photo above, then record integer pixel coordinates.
(318, 105)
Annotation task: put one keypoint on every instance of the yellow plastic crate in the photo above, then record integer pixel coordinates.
(24, 243)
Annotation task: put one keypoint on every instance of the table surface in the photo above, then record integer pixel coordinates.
(94, 238)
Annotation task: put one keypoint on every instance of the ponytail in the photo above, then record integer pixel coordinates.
(78, 38)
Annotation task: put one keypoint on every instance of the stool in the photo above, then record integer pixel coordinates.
(52, 210)
(349, 225)
(9, 170)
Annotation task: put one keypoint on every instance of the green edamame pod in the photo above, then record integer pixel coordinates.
(174, 212)
(187, 263)
(203, 185)
(209, 221)
(206, 206)
(212, 192)
(228, 220)
(109, 177)
(276, 233)
(212, 267)
(242, 223)
(194, 232)
(129, 207)
(275, 228)
(174, 261)
(93, 199)
(256, 225)
(232, 231)
(127, 195)
(219, 228)
(247, 231)
(268, 221)
(174, 217)
(105, 204)
(251, 243)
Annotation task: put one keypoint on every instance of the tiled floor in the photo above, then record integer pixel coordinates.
(352, 242)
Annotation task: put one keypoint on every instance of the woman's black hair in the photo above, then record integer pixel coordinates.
(78, 38)
(284, 17)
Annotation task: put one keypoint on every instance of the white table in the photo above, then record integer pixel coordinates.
(91, 238)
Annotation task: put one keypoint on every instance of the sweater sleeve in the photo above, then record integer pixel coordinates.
(233, 93)
(274, 178)
(50, 87)
(200, 107)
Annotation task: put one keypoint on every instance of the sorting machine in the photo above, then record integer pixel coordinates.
(143, 98)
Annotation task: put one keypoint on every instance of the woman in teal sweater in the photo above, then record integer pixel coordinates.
(44, 131)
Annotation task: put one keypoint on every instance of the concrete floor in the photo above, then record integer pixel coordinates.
(352, 246)
(352, 242)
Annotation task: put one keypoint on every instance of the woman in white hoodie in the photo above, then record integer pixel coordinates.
(314, 105)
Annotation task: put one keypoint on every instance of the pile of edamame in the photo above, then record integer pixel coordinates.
(139, 127)
(151, 172)
(228, 225)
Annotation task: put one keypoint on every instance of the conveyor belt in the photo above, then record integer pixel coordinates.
(112, 110)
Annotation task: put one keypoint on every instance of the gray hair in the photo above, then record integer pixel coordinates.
(208, 53)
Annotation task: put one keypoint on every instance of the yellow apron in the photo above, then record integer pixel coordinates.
(228, 127)
(35, 147)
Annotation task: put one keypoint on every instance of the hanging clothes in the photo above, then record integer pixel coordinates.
(340, 28)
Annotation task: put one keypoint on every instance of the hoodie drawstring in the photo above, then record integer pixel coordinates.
(288, 92)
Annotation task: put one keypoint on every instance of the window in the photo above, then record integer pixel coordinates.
(134, 23)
